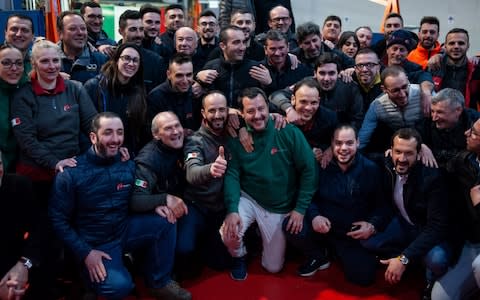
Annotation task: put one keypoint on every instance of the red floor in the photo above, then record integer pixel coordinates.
(327, 284)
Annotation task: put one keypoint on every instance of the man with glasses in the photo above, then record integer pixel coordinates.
(93, 16)
(207, 30)
(132, 30)
(367, 75)
(280, 19)
(399, 107)
(80, 59)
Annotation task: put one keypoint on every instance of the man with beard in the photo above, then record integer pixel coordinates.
(418, 229)
(255, 190)
(132, 31)
(399, 44)
(428, 44)
(367, 75)
(174, 19)
(206, 156)
(77, 205)
(80, 60)
(207, 30)
(151, 22)
(93, 16)
(343, 98)
(278, 62)
(314, 120)
(399, 107)
(311, 47)
(444, 131)
(279, 18)
(175, 94)
(341, 218)
(245, 20)
(463, 280)
(456, 71)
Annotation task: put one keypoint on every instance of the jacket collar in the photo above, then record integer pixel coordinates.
(38, 90)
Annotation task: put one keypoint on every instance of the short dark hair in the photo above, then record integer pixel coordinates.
(407, 134)
(391, 71)
(275, 35)
(95, 126)
(174, 6)
(309, 82)
(327, 58)
(333, 18)
(430, 20)
(148, 8)
(21, 17)
(394, 15)
(128, 15)
(458, 30)
(251, 93)
(307, 29)
(223, 37)
(207, 13)
(344, 37)
(65, 14)
(179, 58)
(90, 4)
(345, 126)
(242, 11)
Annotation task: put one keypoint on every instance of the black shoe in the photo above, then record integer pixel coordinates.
(312, 266)
(427, 291)
(239, 268)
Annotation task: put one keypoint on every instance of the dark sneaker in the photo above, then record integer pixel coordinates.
(312, 266)
(427, 291)
(172, 291)
(239, 268)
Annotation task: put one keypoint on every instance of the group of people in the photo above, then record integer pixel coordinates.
(167, 147)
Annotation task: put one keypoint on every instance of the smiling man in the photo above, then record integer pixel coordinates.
(253, 187)
(77, 205)
(19, 33)
(93, 16)
(79, 58)
(428, 44)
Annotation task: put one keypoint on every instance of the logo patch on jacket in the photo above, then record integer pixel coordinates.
(273, 151)
(191, 155)
(16, 121)
(141, 183)
(67, 107)
(121, 186)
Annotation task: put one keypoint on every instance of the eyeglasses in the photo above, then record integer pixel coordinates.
(472, 131)
(8, 64)
(128, 59)
(92, 17)
(404, 88)
(283, 19)
(369, 65)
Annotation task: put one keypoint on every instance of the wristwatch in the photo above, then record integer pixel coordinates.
(403, 259)
(26, 262)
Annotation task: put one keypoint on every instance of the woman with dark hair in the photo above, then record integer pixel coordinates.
(348, 43)
(119, 88)
(11, 71)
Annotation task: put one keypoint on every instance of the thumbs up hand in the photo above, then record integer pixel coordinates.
(219, 166)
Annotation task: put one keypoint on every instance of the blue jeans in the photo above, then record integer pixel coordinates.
(398, 235)
(197, 234)
(148, 233)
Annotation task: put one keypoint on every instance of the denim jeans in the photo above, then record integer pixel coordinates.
(149, 233)
(398, 235)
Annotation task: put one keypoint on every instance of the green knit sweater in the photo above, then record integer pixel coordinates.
(280, 174)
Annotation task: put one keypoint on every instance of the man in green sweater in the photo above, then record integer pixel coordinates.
(275, 181)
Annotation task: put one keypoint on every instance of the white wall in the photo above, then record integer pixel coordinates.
(354, 13)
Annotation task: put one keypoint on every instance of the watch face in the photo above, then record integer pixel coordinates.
(403, 259)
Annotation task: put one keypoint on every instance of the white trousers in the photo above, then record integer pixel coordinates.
(270, 226)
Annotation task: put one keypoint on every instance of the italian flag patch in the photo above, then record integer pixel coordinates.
(141, 183)
(16, 121)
